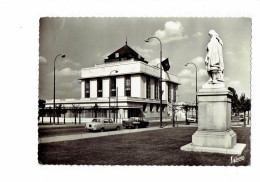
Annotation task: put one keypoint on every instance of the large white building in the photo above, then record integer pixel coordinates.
(127, 83)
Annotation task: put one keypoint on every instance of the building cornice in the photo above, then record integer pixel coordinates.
(129, 67)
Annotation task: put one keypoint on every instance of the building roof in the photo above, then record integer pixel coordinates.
(124, 53)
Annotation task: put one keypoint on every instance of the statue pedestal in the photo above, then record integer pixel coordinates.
(214, 132)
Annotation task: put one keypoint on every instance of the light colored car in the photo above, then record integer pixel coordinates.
(192, 119)
(102, 124)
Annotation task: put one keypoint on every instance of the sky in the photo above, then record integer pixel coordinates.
(88, 41)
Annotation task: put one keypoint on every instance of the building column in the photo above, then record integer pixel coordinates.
(120, 113)
(82, 89)
(125, 113)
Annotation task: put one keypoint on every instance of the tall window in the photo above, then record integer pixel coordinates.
(157, 107)
(99, 87)
(144, 107)
(148, 86)
(151, 107)
(156, 89)
(163, 107)
(128, 85)
(87, 89)
(169, 93)
(113, 86)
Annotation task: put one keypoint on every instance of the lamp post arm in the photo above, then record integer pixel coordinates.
(57, 57)
(109, 94)
(155, 38)
(160, 82)
(196, 89)
(54, 85)
(196, 74)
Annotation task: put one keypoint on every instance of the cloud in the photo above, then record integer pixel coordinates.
(187, 76)
(68, 72)
(231, 53)
(202, 73)
(172, 31)
(185, 81)
(198, 60)
(197, 34)
(185, 73)
(155, 62)
(70, 62)
(102, 55)
(238, 86)
(143, 52)
(42, 60)
(234, 84)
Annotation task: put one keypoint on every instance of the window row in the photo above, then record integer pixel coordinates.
(153, 107)
(148, 88)
(112, 87)
(171, 90)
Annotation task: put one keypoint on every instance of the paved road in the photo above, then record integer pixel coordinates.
(65, 130)
(58, 133)
(70, 129)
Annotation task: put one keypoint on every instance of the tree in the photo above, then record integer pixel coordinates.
(174, 111)
(75, 111)
(64, 111)
(58, 111)
(41, 105)
(80, 109)
(42, 113)
(186, 108)
(235, 101)
(50, 111)
(248, 108)
(244, 105)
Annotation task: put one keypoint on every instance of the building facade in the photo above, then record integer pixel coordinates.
(124, 86)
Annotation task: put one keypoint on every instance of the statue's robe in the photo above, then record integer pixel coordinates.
(214, 58)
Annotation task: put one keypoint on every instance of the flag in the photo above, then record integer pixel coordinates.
(165, 65)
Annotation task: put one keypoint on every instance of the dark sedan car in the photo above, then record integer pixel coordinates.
(135, 122)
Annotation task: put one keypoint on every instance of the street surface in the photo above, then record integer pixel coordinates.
(57, 133)
(65, 130)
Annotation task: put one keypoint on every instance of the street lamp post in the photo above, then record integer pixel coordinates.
(160, 81)
(110, 90)
(196, 91)
(63, 56)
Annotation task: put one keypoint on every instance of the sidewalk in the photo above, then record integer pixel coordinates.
(95, 134)
(107, 133)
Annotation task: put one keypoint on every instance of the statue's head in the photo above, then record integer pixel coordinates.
(213, 33)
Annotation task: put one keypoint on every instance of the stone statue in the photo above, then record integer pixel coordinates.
(214, 59)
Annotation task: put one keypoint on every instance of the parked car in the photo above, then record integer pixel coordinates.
(241, 117)
(102, 124)
(192, 119)
(135, 122)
